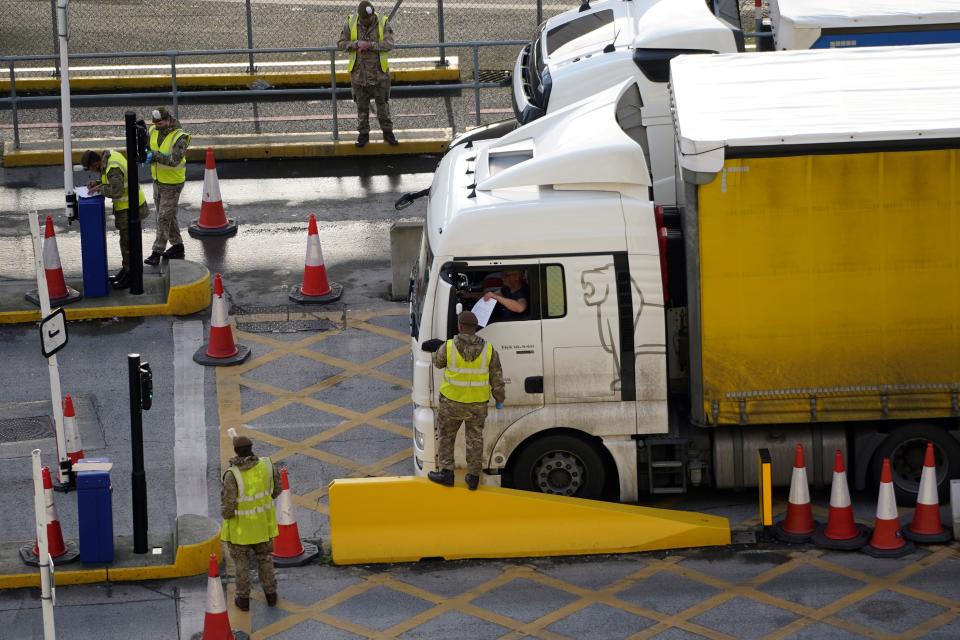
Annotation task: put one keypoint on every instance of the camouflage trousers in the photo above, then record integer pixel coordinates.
(380, 94)
(241, 554)
(122, 222)
(166, 197)
(450, 415)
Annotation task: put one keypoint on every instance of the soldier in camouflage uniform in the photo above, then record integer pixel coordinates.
(472, 375)
(249, 519)
(367, 37)
(168, 149)
(113, 184)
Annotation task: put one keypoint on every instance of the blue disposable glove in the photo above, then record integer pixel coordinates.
(499, 405)
(149, 157)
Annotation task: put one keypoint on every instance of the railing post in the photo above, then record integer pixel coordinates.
(333, 94)
(539, 13)
(13, 107)
(476, 82)
(440, 34)
(56, 38)
(173, 86)
(251, 68)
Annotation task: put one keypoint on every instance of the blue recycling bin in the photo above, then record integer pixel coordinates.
(95, 514)
(93, 246)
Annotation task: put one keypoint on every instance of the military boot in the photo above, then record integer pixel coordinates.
(242, 603)
(390, 138)
(175, 252)
(154, 259)
(472, 481)
(362, 140)
(271, 599)
(444, 477)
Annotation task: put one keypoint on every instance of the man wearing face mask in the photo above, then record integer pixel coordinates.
(368, 38)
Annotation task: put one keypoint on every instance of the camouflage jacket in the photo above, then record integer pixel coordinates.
(367, 70)
(470, 347)
(179, 148)
(228, 488)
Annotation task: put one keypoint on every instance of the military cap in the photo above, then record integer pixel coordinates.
(242, 442)
(467, 319)
(160, 113)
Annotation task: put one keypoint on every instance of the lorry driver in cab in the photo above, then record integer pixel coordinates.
(512, 299)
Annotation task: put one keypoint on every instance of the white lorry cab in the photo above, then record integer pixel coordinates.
(577, 54)
(565, 202)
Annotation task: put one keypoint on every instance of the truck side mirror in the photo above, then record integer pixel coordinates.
(432, 346)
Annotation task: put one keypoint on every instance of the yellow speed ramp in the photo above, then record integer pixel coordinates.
(406, 519)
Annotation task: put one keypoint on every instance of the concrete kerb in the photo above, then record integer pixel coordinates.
(245, 147)
(183, 290)
(186, 553)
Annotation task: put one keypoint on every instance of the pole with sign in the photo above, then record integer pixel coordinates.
(53, 330)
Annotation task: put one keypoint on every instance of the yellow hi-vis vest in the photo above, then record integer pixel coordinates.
(467, 380)
(255, 520)
(161, 172)
(118, 161)
(381, 27)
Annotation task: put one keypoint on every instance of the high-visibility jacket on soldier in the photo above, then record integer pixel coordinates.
(467, 380)
(118, 161)
(255, 520)
(161, 172)
(381, 27)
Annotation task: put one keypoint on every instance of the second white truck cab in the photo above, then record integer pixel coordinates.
(581, 53)
(580, 228)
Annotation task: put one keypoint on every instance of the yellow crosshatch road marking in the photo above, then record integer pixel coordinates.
(229, 383)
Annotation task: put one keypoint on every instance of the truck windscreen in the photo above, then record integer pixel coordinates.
(568, 32)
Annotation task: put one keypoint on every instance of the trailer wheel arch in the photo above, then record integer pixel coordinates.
(610, 489)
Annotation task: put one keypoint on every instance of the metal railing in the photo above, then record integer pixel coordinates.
(14, 101)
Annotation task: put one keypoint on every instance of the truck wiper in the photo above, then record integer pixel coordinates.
(407, 199)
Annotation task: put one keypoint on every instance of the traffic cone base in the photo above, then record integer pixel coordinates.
(33, 296)
(928, 538)
(229, 229)
(201, 357)
(850, 544)
(876, 552)
(29, 555)
(793, 538)
(297, 295)
(310, 551)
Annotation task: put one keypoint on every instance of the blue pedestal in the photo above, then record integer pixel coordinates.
(93, 247)
(95, 516)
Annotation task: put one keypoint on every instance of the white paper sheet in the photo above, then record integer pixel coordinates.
(483, 309)
(82, 192)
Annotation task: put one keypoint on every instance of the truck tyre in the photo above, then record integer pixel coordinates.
(905, 446)
(561, 465)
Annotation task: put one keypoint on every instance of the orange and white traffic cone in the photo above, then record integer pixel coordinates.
(841, 531)
(71, 434)
(213, 219)
(59, 550)
(216, 620)
(799, 525)
(57, 289)
(927, 527)
(887, 540)
(315, 289)
(288, 549)
(220, 350)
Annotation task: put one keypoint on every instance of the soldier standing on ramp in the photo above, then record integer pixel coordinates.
(368, 38)
(472, 374)
(168, 167)
(249, 519)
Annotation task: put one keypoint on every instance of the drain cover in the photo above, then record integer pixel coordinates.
(282, 319)
(499, 76)
(21, 429)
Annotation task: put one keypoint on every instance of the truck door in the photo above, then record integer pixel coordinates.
(584, 345)
(516, 336)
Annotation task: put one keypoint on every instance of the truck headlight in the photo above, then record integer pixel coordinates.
(418, 438)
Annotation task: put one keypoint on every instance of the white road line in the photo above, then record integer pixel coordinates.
(189, 455)
(190, 440)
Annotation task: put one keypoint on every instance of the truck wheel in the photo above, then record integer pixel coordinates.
(906, 447)
(561, 465)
